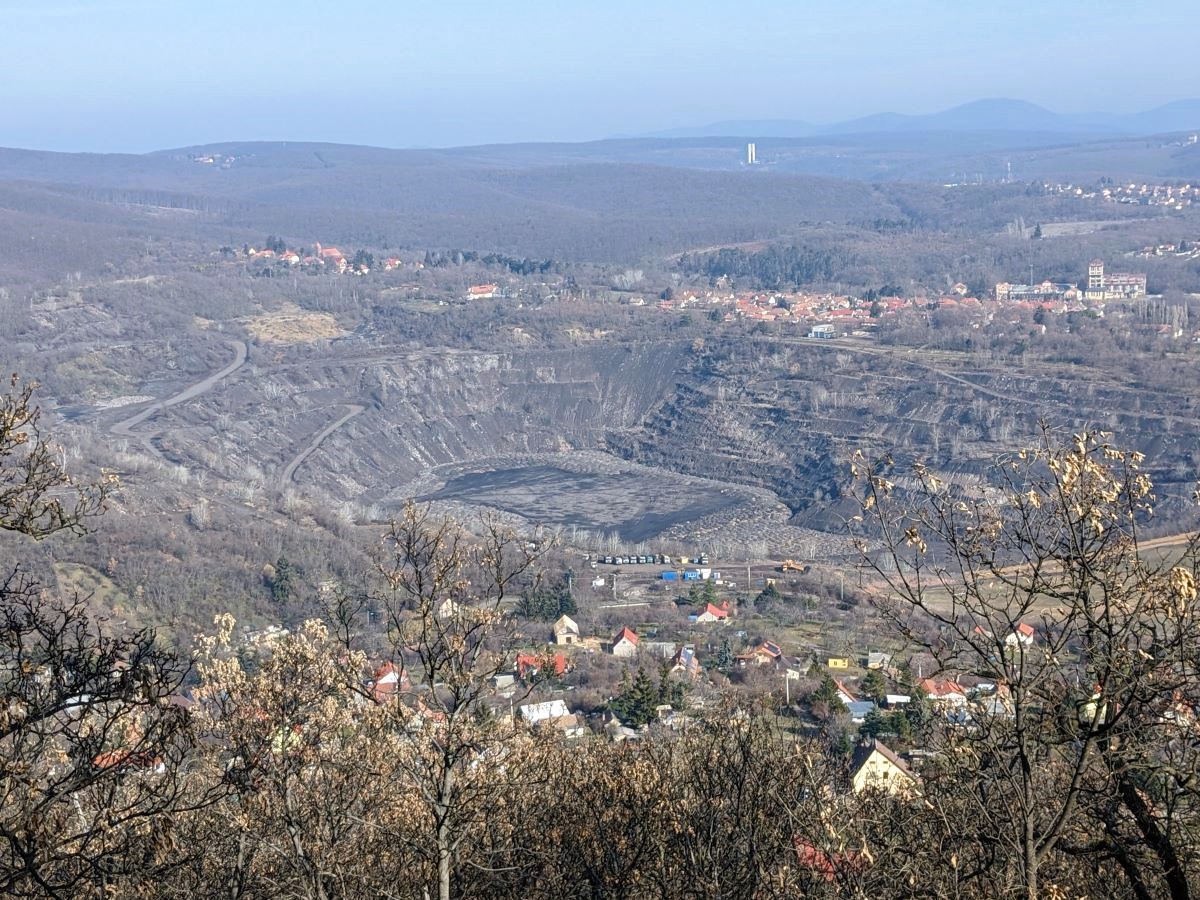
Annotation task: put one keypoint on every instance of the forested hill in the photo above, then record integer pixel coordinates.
(613, 201)
(595, 210)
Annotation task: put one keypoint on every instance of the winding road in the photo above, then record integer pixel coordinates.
(289, 471)
(125, 427)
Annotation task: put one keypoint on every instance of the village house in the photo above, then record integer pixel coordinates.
(766, 653)
(331, 256)
(566, 631)
(536, 713)
(995, 701)
(529, 665)
(876, 767)
(944, 692)
(685, 662)
(823, 865)
(880, 661)
(659, 649)
(481, 291)
(625, 643)
(616, 730)
(844, 693)
(1022, 636)
(553, 715)
(388, 682)
(713, 613)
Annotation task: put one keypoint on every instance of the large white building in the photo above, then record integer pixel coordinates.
(1113, 285)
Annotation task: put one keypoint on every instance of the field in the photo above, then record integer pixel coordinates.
(293, 326)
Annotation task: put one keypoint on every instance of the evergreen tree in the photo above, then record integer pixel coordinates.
(566, 597)
(282, 586)
(725, 656)
(874, 686)
(825, 701)
(664, 681)
(637, 703)
(874, 724)
(899, 725)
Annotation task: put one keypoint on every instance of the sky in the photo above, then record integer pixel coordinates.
(141, 75)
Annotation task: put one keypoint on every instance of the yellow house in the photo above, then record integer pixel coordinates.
(876, 767)
(838, 662)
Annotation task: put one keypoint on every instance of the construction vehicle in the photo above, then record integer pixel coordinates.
(790, 565)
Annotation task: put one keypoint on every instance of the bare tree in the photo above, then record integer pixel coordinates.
(1044, 588)
(90, 744)
(445, 593)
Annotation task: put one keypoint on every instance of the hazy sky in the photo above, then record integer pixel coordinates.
(149, 74)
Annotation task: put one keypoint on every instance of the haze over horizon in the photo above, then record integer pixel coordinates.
(135, 75)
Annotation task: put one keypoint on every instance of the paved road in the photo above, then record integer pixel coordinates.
(289, 471)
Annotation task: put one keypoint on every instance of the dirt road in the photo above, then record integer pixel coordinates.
(289, 471)
(125, 427)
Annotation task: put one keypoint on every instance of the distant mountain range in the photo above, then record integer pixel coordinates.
(982, 115)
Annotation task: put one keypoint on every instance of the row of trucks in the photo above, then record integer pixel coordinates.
(660, 559)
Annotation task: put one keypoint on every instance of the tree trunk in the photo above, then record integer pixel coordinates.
(444, 832)
(1157, 840)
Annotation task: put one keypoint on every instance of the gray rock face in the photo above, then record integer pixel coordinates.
(748, 437)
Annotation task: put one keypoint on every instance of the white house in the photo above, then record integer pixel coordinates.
(713, 613)
(625, 644)
(566, 631)
(1022, 636)
(533, 713)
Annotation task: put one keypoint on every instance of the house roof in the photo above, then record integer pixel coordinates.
(528, 661)
(565, 623)
(626, 634)
(715, 611)
(942, 687)
(859, 709)
(826, 865)
(865, 751)
(1026, 630)
(389, 680)
(685, 658)
(540, 712)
